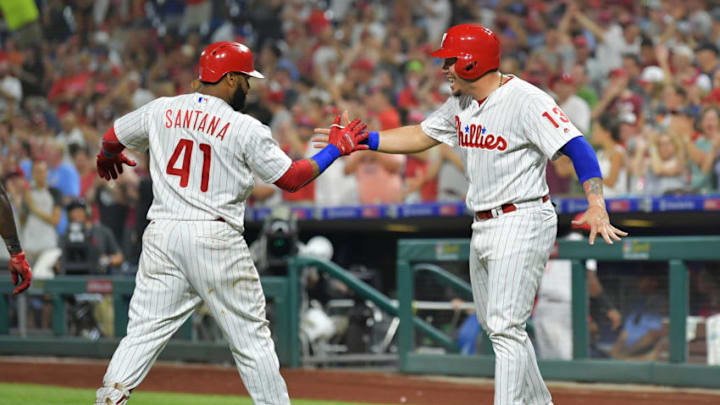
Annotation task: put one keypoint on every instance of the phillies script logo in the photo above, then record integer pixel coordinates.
(473, 136)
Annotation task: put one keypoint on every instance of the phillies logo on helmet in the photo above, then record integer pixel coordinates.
(475, 136)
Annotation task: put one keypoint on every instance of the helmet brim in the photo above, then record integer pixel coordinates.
(445, 53)
(256, 74)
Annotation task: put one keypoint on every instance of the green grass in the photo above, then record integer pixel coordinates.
(31, 394)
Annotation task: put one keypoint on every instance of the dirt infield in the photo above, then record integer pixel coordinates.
(363, 386)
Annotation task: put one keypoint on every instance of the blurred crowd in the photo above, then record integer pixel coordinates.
(639, 78)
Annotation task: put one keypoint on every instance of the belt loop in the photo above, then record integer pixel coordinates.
(496, 212)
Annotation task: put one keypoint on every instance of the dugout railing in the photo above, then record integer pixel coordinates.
(414, 256)
(182, 347)
(675, 250)
(363, 290)
(284, 292)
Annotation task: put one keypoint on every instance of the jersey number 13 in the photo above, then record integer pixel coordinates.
(185, 147)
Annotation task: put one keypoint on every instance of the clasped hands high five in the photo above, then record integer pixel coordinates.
(347, 138)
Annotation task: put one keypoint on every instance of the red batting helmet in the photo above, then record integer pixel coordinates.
(476, 48)
(220, 58)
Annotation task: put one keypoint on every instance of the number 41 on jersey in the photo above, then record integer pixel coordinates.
(185, 147)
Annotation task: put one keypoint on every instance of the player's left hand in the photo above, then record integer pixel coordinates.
(597, 221)
(322, 135)
(347, 138)
(20, 269)
(111, 166)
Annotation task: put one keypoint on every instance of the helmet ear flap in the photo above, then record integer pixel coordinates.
(467, 67)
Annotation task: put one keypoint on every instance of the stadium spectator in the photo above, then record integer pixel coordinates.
(62, 175)
(436, 15)
(85, 166)
(419, 188)
(642, 333)
(445, 175)
(611, 155)
(618, 98)
(706, 55)
(668, 170)
(379, 168)
(22, 19)
(10, 89)
(40, 215)
(592, 74)
(652, 84)
(71, 134)
(703, 148)
(87, 247)
(620, 38)
(338, 185)
(576, 109)
(139, 95)
(114, 202)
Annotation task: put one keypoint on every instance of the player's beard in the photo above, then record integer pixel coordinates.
(237, 102)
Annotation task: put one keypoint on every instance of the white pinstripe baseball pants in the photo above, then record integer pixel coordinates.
(507, 258)
(184, 263)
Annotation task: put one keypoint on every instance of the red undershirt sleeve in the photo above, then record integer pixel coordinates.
(110, 143)
(296, 176)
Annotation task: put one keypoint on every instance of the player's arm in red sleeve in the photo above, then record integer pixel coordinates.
(300, 173)
(19, 267)
(342, 141)
(110, 159)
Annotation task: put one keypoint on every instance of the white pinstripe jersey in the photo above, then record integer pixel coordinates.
(504, 141)
(202, 155)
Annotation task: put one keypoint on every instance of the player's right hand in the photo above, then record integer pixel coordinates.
(347, 139)
(111, 166)
(20, 269)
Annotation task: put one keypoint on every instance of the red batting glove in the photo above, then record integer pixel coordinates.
(19, 267)
(109, 166)
(347, 139)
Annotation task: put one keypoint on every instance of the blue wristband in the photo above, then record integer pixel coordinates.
(108, 154)
(583, 158)
(326, 156)
(372, 141)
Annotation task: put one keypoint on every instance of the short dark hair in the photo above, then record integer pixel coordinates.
(78, 203)
(74, 149)
(635, 58)
(610, 123)
(707, 46)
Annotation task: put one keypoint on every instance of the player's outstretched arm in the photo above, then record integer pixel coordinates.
(596, 218)
(19, 267)
(407, 139)
(341, 141)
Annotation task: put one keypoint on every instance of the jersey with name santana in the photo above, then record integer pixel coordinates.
(202, 156)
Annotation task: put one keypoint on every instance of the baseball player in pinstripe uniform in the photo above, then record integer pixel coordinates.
(506, 129)
(203, 153)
